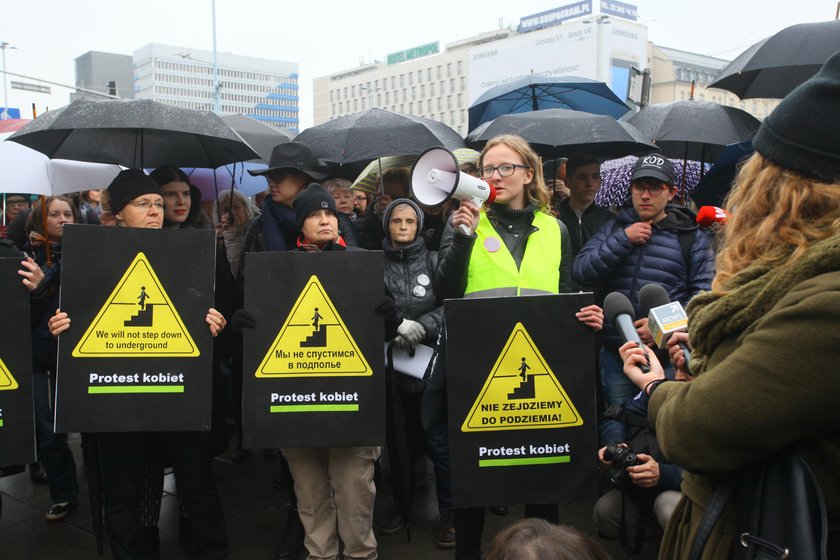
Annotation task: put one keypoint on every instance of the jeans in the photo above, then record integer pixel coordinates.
(53, 450)
(616, 387)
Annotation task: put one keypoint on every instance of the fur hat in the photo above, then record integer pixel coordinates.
(312, 198)
(801, 133)
(128, 185)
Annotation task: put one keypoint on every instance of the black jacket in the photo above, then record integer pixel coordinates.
(581, 229)
(408, 274)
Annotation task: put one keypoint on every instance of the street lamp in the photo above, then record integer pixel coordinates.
(5, 114)
(217, 88)
(599, 20)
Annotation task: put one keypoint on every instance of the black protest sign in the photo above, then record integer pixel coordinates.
(138, 355)
(520, 376)
(313, 365)
(17, 427)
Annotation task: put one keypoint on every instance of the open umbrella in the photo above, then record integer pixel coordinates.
(774, 66)
(262, 137)
(232, 176)
(25, 170)
(134, 133)
(615, 180)
(717, 183)
(533, 93)
(368, 179)
(373, 133)
(561, 132)
(694, 130)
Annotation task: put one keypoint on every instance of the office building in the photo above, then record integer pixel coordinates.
(264, 89)
(106, 73)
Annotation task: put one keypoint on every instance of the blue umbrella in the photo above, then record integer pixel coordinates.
(533, 93)
(716, 184)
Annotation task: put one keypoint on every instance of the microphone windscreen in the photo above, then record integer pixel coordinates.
(708, 215)
(616, 304)
(652, 295)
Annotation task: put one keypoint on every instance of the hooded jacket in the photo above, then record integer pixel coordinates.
(611, 262)
(408, 275)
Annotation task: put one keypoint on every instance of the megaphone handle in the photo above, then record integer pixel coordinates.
(464, 229)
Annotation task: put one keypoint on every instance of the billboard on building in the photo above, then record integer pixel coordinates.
(603, 51)
(554, 17)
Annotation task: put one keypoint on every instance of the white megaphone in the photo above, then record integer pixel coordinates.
(435, 178)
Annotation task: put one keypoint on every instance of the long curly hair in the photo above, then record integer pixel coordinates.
(535, 190)
(777, 215)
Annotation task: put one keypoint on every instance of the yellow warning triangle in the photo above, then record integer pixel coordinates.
(521, 392)
(7, 381)
(138, 320)
(314, 341)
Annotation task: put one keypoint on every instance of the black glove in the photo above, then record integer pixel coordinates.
(242, 319)
(389, 312)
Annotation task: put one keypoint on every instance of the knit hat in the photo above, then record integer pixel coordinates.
(655, 166)
(128, 185)
(801, 132)
(386, 216)
(312, 198)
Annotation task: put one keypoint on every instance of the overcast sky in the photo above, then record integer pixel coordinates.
(326, 37)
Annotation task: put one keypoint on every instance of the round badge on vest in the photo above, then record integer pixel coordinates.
(419, 291)
(423, 280)
(492, 244)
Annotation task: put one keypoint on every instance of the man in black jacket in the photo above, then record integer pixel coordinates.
(579, 212)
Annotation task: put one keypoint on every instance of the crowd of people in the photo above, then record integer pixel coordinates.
(761, 296)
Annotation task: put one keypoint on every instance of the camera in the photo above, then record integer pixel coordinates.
(621, 458)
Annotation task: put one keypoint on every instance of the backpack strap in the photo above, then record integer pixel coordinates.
(686, 239)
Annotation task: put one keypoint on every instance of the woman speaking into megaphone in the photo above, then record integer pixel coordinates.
(475, 264)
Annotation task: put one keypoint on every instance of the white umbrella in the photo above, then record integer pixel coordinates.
(25, 170)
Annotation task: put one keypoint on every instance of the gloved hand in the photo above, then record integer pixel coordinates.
(242, 319)
(412, 331)
(402, 343)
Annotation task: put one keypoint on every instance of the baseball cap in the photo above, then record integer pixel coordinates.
(655, 166)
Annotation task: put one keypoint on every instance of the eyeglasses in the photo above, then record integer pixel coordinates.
(653, 189)
(145, 205)
(18, 203)
(505, 170)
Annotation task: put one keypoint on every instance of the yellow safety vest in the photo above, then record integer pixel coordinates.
(492, 270)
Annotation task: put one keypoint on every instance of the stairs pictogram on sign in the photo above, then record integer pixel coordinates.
(313, 341)
(521, 392)
(137, 320)
(7, 380)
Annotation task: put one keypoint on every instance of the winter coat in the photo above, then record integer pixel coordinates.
(408, 275)
(774, 383)
(611, 262)
(581, 229)
(513, 227)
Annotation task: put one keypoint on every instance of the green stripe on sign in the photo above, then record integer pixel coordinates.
(315, 408)
(1, 423)
(524, 461)
(135, 389)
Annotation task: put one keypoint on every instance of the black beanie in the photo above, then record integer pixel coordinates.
(801, 134)
(128, 185)
(312, 198)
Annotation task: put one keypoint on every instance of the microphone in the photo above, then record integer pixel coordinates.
(619, 311)
(709, 215)
(664, 316)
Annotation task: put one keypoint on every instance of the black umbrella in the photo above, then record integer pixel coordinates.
(259, 135)
(774, 66)
(717, 183)
(373, 133)
(533, 93)
(134, 133)
(562, 132)
(695, 130)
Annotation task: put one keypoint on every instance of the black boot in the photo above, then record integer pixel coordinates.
(291, 544)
